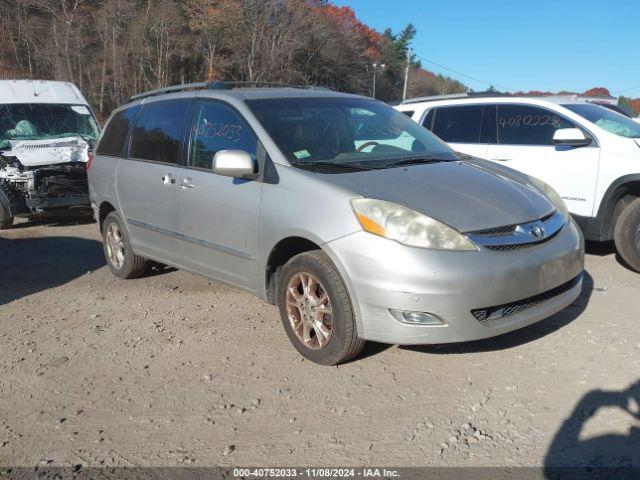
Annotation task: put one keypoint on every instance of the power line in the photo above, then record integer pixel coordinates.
(469, 77)
(502, 87)
(628, 89)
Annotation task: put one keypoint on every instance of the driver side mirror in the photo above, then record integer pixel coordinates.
(233, 163)
(570, 137)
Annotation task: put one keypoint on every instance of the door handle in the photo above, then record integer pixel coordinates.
(501, 159)
(186, 183)
(168, 179)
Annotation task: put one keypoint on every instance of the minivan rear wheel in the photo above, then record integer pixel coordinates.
(627, 235)
(316, 310)
(122, 261)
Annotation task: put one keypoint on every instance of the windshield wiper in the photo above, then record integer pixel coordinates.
(344, 166)
(416, 161)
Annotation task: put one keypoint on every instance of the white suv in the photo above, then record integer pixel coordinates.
(588, 153)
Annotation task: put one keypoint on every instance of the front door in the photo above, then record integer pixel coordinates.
(218, 215)
(524, 141)
(147, 181)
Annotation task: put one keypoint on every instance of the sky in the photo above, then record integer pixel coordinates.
(520, 45)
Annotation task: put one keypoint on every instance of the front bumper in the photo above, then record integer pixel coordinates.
(383, 274)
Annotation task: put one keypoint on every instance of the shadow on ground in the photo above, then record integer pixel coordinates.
(58, 220)
(31, 265)
(611, 455)
(602, 249)
(508, 340)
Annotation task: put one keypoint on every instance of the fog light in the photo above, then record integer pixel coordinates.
(415, 318)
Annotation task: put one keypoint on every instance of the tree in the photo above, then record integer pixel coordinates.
(115, 48)
(597, 92)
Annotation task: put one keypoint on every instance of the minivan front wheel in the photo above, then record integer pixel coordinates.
(122, 261)
(316, 310)
(627, 235)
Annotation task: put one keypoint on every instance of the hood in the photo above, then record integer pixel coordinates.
(38, 153)
(466, 195)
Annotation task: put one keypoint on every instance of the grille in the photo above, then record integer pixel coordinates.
(519, 246)
(499, 312)
(496, 232)
(506, 230)
(40, 146)
(518, 237)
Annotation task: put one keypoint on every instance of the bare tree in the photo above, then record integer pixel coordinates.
(114, 48)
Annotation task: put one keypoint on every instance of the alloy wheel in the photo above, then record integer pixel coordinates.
(309, 310)
(115, 245)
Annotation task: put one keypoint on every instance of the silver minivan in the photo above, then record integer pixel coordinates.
(358, 223)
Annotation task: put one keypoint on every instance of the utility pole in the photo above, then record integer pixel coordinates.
(406, 74)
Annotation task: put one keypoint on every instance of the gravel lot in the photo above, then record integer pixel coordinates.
(174, 369)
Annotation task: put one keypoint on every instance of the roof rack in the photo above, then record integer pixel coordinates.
(218, 85)
(454, 96)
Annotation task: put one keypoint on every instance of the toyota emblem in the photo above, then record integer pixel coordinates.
(537, 231)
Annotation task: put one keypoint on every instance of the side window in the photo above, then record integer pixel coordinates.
(218, 127)
(116, 132)
(159, 131)
(428, 120)
(408, 113)
(458, 124)
(528, 125)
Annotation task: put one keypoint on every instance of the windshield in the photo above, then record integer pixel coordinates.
(607, 119)
(39, 121)
(345, 132)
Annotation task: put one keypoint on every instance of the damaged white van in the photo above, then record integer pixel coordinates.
(47, 131)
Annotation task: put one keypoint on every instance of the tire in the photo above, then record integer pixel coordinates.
(6, 220)
(300, 311)
(627, 235)
(122, 262)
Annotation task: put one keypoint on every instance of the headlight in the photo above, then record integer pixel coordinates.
(407, 226)
(552, 195)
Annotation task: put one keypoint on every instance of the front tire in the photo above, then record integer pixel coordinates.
(627, 235)
(316, 310)
(122, 261)
(6, 220)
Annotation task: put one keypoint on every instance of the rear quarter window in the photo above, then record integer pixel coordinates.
(458, 124)
(428, 120)
(116, 132)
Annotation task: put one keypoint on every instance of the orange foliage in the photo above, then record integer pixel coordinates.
(346, 17)
(634, 103)
(597, 92)
(592, 92)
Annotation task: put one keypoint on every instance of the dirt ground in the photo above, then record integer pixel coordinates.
(174, 369)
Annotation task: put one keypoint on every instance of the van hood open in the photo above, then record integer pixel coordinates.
(51, 151)
(466, 195)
